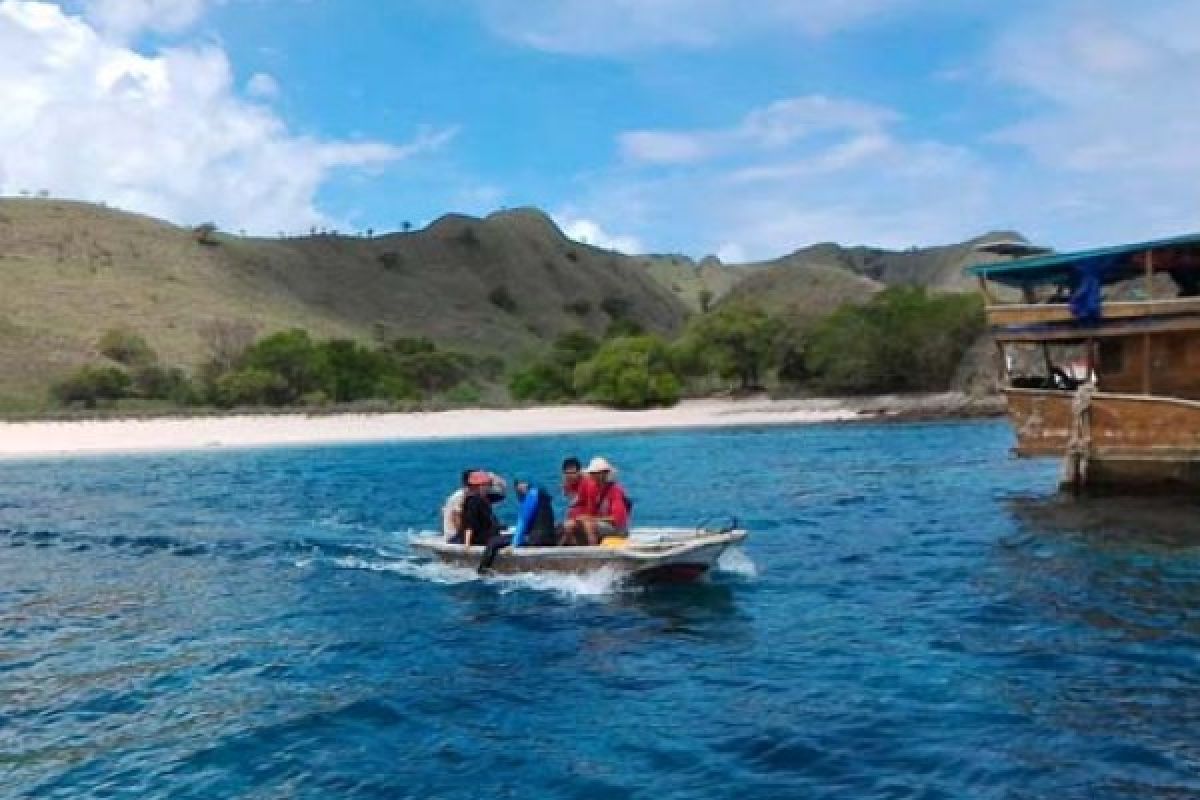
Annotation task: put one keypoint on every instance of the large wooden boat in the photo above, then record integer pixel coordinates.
(1100, 357)
(649, 556)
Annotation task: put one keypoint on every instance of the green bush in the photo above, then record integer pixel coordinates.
(622, 327)
(631, 372)
(352, 372)
(736, 343)
(543, 382)
(395, 388)
(905, 339)
(153, 382)
(432, 372)
(126, 347)
(252, 386)
(552, 379)
(292, 357)
(92, 387)
(463, 394)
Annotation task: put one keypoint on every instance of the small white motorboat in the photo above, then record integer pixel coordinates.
(658, 555)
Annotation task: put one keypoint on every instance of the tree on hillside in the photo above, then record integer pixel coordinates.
(205, 233)
(552, 379)
(352, 372)
(737, 343)
(630, 372)
(904, 339)
(293, 357)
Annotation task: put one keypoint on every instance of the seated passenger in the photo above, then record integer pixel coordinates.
(453, 507)
(535, 523)
(581, 493)
(606, 513)
(479, 523)
(572, 475)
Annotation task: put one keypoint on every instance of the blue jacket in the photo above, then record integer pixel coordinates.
(535, 519)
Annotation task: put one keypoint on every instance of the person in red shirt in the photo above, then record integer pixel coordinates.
(603, 505)
(581, 492)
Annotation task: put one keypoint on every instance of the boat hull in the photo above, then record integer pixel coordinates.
(1134, 442)
(670, 558)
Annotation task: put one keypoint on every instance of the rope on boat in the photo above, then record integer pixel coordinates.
(1079, 441)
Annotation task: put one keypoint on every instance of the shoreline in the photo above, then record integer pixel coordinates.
(70, 438)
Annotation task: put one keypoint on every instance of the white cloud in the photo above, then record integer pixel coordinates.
(608, 27)
(1112, 148)
(589, 232)
(665, 147)
(124, 19)
(802, 169)
(772, 128)
(164, 134)
(263, 86)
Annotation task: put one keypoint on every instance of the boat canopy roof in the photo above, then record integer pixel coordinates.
(1110, 264)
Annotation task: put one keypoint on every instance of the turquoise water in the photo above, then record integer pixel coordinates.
(914, 616)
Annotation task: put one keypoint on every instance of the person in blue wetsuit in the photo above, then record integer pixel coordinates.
(535, 523)
(535, 519)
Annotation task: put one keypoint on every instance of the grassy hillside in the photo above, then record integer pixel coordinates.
(939, 268)
(505, 284)
(688, 279)
(801, 292)
(810, 275)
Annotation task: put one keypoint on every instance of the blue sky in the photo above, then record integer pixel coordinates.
(746, 129)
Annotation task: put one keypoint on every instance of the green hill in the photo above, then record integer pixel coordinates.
(505, 285)
(810, 277)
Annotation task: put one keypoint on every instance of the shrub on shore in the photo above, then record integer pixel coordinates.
(904, 340)
(630, 372)
(92, 387)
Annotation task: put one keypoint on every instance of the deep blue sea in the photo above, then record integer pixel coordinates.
(915, 615)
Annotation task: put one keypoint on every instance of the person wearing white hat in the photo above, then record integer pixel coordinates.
(606, 513)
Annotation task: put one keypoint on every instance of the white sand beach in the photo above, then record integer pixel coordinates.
(64, 438)
(43, 438)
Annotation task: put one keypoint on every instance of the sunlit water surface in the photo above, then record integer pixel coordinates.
(914, 615)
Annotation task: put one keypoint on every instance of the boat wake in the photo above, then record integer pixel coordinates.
(734, 561)
(598, 583)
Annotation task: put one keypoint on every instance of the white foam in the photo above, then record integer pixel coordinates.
(432, 571)
(597, 583)
(735, 562)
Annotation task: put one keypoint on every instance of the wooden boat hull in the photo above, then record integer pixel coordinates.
(1136, 442)
(675, 557)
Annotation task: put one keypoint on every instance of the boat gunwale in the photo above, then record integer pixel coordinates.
(640, 553)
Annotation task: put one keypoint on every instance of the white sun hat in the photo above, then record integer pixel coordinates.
(599, 464)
